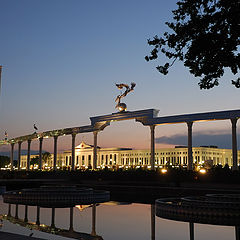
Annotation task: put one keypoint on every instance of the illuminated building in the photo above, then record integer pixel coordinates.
(128, 157)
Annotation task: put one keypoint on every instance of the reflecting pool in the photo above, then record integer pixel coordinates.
(108, 221)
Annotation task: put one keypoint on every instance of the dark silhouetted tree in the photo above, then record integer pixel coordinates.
(205, 35)
(4, 160)
(34, 160)
(46, 156)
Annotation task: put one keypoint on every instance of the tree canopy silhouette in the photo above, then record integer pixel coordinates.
(205, 35)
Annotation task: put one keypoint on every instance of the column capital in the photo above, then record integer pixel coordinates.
(234, 121)
(189, 124)
(152, 127)
(40, 139)
(29, 141)
(96, 132)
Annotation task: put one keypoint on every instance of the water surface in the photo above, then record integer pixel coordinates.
(114, 221)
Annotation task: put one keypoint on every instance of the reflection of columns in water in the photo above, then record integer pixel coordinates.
(11, 155)
(28, 153)
(237, 232)
(152, 221)
(234, 143)
(95, 149)
(55, 153)
(26, 214)
(53, 218)
(152, 159)
(19, 155)
(16, 211)
(9, 210)
(40, 152)
(93, 233)
(191, 230)
(38, 216)
(73, 151)
(190, 157)
(71, 219)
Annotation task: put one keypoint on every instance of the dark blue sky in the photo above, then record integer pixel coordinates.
(61, 59)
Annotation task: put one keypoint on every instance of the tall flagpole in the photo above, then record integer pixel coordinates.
(0, 79)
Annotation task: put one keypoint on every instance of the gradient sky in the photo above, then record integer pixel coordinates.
(62, 58)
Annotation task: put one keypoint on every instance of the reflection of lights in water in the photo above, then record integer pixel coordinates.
(82, 207)
(202, 170)
(113, 203)
(164, 170)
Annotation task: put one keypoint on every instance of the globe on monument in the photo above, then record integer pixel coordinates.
(122, 107)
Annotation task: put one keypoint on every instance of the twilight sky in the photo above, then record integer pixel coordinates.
(62, 58)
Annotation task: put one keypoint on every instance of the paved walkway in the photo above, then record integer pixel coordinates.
(12, 236)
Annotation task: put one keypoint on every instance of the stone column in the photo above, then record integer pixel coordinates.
(152, 160)
(28, 154)
(38, 216)
(19, 155)
(9, 210)
(234, 144)
(55, 154)
(53, 218)
(95, 133)
(16, 212)
(40, 153)
(26, 214)
(11, 155)
(71, 219)
(191, 230)
(190, 157)
(93, 233)
(152, 221)
(73, 151)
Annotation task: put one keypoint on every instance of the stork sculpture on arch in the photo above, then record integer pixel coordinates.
(122, 107)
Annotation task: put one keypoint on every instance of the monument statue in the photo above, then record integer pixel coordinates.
(122, 107)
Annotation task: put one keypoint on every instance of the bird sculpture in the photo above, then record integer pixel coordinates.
(122, 106)
(35, 127)
(6, 135)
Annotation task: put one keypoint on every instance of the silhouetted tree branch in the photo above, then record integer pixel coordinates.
(205, 35)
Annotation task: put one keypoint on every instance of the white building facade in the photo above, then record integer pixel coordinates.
(115, 158)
